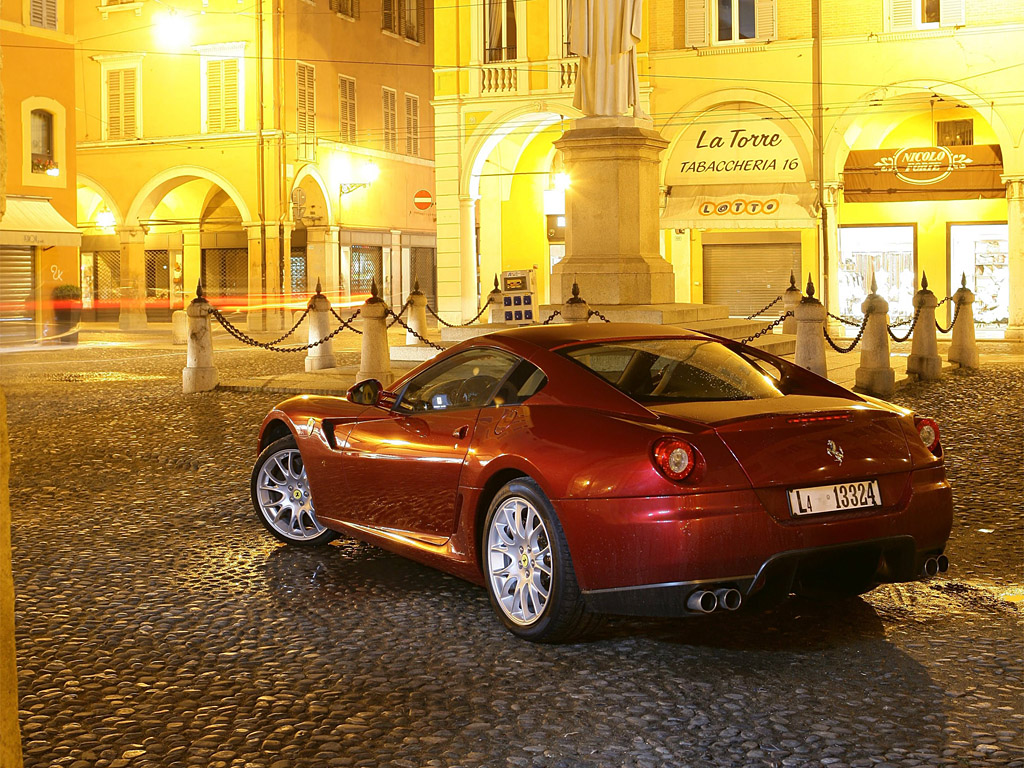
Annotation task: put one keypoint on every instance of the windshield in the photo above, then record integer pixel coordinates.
(675, 370)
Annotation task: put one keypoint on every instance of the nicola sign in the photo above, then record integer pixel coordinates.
(928, 165)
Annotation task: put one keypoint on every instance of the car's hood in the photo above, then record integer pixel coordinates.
(801, 440)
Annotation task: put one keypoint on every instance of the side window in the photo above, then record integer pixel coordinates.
(468, 380)
(524, 382)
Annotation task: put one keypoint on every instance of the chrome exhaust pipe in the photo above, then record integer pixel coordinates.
(943, 562)
(702, 601)
(729, 598)
(930, 567)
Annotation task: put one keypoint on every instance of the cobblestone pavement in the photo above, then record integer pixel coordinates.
(159, 625)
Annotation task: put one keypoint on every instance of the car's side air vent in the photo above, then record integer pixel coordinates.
(328, 428)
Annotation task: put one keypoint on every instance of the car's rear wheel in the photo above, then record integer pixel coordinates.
(528, 568)
(281, 496)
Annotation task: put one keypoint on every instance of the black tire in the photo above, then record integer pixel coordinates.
(283, 464)
(563, 616)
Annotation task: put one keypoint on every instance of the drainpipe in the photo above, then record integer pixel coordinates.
(819, 142)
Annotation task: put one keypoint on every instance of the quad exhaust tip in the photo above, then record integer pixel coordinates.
(935, 565)
(707, 601)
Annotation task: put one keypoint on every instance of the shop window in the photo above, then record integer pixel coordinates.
(925, 14)
(43, 160)
(954, 133)
(981, 253)
(347, 109)
(389, 107)
(888, 252)
(43, 14)
(412, 125)
(500, 43)
(349, 8)
(305, 109)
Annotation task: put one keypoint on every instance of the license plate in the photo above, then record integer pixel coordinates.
(838, 497)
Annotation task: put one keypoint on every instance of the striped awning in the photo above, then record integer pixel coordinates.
(34, 221)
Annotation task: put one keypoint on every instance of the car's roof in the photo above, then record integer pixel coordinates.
(552, 336)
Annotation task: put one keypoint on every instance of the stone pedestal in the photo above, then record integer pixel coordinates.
(321, 356)
(179, 327)
(375, 359)
(875, 373)
(198, 375)
(810, 334)
(963, 349)
(791, 297)
(924, 360)
(611, 239)
(417, 316)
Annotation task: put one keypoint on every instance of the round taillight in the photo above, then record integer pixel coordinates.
(675, 458)
(929, 433)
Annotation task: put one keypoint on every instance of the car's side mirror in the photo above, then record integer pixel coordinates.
(365, 392)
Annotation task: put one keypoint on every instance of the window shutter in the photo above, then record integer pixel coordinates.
(421, 21)
(50, 14)
(114, 130)
(355, 9)
(214, 94)
(129, 128)
(400, 11)
(36, 13)
(387, 15)
(764, 20)
(230, 95)
(695, 23)
(951, 13)
(347, 109)
(901, 15)
(412, 125)
(389, 99)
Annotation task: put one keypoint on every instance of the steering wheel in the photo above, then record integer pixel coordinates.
(474, 390)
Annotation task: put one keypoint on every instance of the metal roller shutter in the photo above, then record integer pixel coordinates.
(747, 276)
(17, 288)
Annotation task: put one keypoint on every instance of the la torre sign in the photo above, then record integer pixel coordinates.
(735, 147)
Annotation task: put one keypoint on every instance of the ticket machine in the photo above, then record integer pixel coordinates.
(519, 296)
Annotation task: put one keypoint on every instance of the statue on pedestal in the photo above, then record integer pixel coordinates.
(604, 34)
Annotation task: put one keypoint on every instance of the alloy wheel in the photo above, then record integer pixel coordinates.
(519, 560)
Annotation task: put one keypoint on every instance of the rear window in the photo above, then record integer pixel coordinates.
(674, 370)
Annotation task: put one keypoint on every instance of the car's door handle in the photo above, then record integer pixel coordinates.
(461, 432)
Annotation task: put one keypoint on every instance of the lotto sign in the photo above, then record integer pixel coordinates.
(739, 207)
(422, 200)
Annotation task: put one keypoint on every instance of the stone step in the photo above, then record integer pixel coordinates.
(658, 314)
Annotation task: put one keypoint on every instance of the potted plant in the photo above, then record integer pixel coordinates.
(67, 312)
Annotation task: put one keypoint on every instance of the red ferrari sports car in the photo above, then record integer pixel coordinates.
(578, 470)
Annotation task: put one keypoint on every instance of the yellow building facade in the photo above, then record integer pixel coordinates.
(824, 138)
(38, 239)
(260, 148)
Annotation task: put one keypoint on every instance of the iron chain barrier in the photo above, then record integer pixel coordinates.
(445, 323)
(397, 318)
(768, 306)
(272, 346)
(856, 340)
(768, 328)
(348, 323)
(402, 312)
(554, 314)
(599, 315)
(956, 314)
(910, 330)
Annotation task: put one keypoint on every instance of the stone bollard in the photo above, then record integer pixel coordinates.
(790, 299)
(875, 374)
(810, 333)
(575, 309)
(924, 360)
(964, 347)
(179, 327)
(417, 316)
(321, 356)
(496, 304)
(198, 375)
(375, 360)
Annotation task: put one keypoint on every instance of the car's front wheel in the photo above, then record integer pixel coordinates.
(281, 496)
(528, 568)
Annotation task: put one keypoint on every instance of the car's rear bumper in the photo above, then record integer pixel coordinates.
(669, 545)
